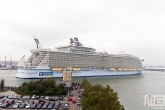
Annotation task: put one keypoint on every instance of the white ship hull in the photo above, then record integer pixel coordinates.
(84, 61)
(46, 73)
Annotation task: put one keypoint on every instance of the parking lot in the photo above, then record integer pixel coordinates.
(70, 102)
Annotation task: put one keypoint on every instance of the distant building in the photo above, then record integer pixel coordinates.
(14, 63)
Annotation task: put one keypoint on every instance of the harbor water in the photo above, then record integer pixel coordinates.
(131, 89)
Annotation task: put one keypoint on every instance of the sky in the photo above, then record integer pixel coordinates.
(136, 27)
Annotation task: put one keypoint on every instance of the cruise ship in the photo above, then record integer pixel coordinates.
(84, 61)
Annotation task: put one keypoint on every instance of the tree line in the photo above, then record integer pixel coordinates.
(2, 84)
(98, 97)
(41, 87)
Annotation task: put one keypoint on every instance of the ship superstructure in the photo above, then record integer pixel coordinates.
(85, 61)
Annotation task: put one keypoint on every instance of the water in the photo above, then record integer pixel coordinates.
(131, 89)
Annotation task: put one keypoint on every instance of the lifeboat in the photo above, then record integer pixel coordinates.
(56, 68)
(120, 68)
(138, 69)
(112, 69)
(76, 68)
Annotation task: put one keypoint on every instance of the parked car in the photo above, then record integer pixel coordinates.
(57, 102)
(78, 102)
(6, 96)
(71, 94)
(42, 97)
(28, 97)
(37, 97)
(5, 103)
(47, 101)
(56, 106)
(61, 106)
(70, 99)
(45, 106)
(81, 90)
(1, 96)
(33, 97)
(41, 100)
(52, 102)
(29, 105)
(39, 105)
(36, 102)
(16, 105)
(66, 103)
(10, 96)
(50, 106)
(51, 98)
(2, 100)
(55, 98)
(33, 106)
(46, 97)
(14, 96)
(66, 106)
(11, 101)
(22, 105)
(80, 95)
(78, 91)
(73, 101)
(27, 102)
(60, 97)
(20, 101)
(19, 96)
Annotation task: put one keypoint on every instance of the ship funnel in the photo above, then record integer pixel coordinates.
(76, 39)
(75, 42)
(71, 41)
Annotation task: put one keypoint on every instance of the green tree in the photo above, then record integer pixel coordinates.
(98, 97)
(40, 87)
(61, 89)
(2, 83)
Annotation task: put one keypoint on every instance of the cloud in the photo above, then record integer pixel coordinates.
(135, 27)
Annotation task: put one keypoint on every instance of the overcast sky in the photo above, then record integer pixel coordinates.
(136, 27)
